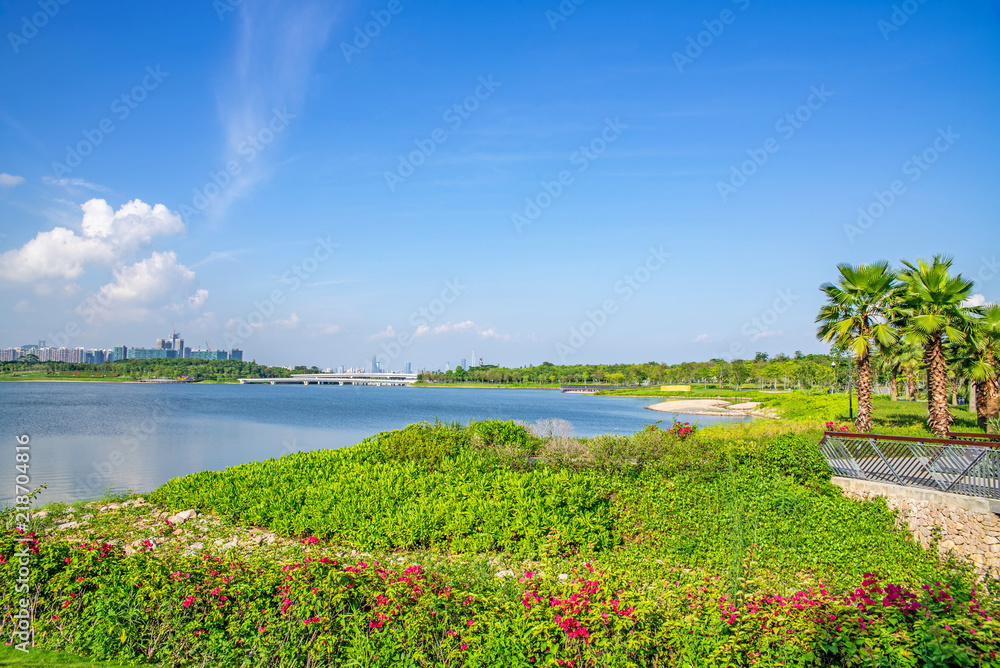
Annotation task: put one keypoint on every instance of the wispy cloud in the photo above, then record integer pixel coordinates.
(466, 326)
(387, 333)
(73, 185)
(10, 180)
(325, 329)
(218, 255)
(277, 46)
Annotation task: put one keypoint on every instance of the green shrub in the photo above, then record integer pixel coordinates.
(421, 487)
(795, 456)
(315, 610)
(423, 443)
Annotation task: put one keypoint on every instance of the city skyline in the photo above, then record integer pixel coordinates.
(615, 183)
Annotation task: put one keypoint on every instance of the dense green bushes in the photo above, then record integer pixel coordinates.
(423, 486)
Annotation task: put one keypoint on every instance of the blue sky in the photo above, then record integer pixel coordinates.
(597, 182)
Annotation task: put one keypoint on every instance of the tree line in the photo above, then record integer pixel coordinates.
(799, 371)
(218, 370)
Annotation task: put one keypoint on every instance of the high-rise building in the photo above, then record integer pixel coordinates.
(408, 368)
(149, 353)
(121, 353)
(207, 354)
(236, 354)
(375, 366)
(464, 365)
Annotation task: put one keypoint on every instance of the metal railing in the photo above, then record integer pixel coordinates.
(967, 464)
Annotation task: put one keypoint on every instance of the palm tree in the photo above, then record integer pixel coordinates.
(984, 347)
(857, 317)
(933, 311)
(904, 359)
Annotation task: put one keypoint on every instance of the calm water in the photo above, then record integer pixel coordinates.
(88, 437)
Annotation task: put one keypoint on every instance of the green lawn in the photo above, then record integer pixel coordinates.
(40, 657)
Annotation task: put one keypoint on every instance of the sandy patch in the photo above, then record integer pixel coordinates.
(690, 406)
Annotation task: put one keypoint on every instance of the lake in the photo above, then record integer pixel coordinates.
(87, 438)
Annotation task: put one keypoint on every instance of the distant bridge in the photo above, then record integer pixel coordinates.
(336, 379)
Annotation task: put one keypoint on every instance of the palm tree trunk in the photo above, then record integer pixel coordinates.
(864, 421)
(973, 389)
(894, 388)
(981, 401)
(990, 398)
(954, 391)
(939, 417)
(911, 386)
(992, 401)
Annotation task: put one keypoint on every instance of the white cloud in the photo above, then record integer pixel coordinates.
(198, 298)
(10, 180)
(134, 224)
(21, 306)
(387, 333)
(767, 335)
(290, 323)
(458, 327)
(58, 253)
(492, 334)
(701, 338)
(147, 281)
(139, 288)
(106, 235)
(975, 300)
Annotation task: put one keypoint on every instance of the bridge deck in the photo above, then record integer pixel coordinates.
(336, 379)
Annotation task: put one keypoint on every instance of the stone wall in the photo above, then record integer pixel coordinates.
(969, 526)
